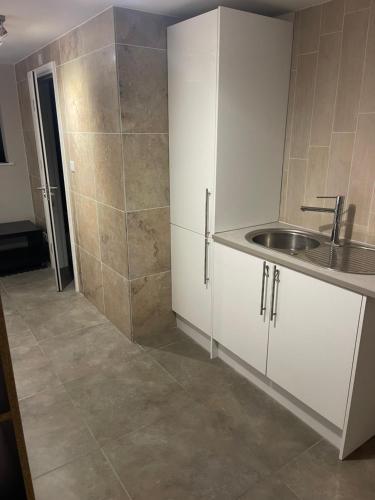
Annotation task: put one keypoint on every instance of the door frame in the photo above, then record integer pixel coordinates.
(32, 76)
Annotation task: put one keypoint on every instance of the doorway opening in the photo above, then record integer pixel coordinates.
(54, 179)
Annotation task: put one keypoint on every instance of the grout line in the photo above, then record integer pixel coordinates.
(76, 458)
(147, 47)
(114, 472)
(297, 457)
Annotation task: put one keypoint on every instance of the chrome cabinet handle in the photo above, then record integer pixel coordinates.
(205, 276)
(265, 276)
(276, 279)
(206, 220)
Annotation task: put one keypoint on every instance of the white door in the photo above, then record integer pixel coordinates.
(240, 304)
(191, 288)
(312, 342)
(192, 102)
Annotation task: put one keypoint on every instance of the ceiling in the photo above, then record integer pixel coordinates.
(33, 24)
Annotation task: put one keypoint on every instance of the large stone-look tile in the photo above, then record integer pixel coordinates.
(146, 170)
(309, 29)
(32, 371)
(187, 454)
(19, 334)
(98, 32)
(151, 302)
(88, 351)
(54, 432)
(319, 474)
(21, 71)
(303, 105)
(91, 279)
(74, 79)
(87, 478)
(269, 488)
(149, 242)
(143, 89)
(113, 244)
(122, 398)
(325, 93)
(362, 176)
(316, 175)
(50, 52)
(107, 161)
(296, 190)
(340, 159)
(37, 278)
(101, 90)
(71, 45)
(332, 16)
(117, 299)
(87, 224)
(33, 295)
(355, 5)
(140, 28)
(368, 88)
(81, 152)
(352, 61)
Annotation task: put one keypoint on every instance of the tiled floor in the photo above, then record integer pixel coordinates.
(105, 419)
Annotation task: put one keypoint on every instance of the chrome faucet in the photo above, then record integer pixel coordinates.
(337, 211)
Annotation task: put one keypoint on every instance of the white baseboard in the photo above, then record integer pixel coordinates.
(327, 430)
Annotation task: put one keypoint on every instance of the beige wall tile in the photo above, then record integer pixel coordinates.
(340, 160)
(91, 279)
(146, 170)
(296, 191)
(326, 85)
(141, 28)
(117, 299)
(368, 89)
(309, 29)
(371, 230)
(51, 53)
(149, 242)
(303, 105)
(362, 176)
(21, 70)
(317, 167)
(74, 81)
(295, 46)
(151, 305)
(352, 59)
(354, 5)
(332, 16)
(113, 245)
(87, 224)
(107, 161)
(143, 89)
(80, 151)
(98, 32)
(71, 45)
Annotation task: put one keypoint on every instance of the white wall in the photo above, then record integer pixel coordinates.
(15, 191)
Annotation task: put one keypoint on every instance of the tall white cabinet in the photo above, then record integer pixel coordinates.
(228, 79)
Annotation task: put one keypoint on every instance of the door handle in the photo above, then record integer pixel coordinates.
(265, 276)
(206, 219)
(205, 276)
(276, 279)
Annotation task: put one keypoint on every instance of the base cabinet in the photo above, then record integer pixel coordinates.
(304, 341)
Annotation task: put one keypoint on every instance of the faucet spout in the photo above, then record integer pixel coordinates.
(337, 211)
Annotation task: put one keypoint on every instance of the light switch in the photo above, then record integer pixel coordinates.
(72, 166)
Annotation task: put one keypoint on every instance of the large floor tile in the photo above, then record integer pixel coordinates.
(88, 351)
(269, 488)
(29, 296)
(87, 478)
(38, 277)
(62, 316)
(188, 454)
(160, 339)
(318, 474)
(9, 305)
(55, 433)
(32, 371)
(19, 334)
(125, 397)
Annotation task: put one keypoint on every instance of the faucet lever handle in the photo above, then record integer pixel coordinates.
(327, 197)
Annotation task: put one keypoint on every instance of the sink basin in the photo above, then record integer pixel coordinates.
(289, 241)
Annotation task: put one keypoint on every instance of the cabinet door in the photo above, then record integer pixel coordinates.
(237, 295)
(192, 103)
(191, 297)
(312, 342)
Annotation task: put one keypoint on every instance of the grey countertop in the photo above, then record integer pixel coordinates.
(359, 283)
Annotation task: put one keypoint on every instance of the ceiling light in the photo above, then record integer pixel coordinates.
(3, 31)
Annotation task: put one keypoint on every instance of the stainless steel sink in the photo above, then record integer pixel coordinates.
(289, 241)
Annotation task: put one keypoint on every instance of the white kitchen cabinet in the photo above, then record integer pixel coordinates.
(191, 295)
(312, 342)
(240, 303)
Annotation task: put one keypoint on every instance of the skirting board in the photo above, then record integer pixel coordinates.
(313, 420)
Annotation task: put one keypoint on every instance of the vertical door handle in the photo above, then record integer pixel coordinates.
(276, 279)
(265, 276)
(205, 277)
(207, 214)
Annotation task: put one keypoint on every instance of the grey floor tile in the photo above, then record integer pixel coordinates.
(62, 316)
(32, 371)
(88, 351)
(269, 488)
(159, 339)
(54, 432)
(19, 334)
(319, 474)
(188, 454)
(9, 305)
(30, 296)
(45, 277)
(87, 478)
(125, 397)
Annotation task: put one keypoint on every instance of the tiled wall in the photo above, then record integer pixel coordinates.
(112, 77)
(330, 143)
